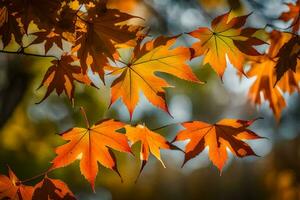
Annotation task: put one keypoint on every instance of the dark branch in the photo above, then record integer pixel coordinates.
(28, 54)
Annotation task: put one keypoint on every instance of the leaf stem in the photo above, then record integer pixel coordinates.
(85, 117)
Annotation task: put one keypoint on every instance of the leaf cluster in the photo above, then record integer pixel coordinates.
(106, 42)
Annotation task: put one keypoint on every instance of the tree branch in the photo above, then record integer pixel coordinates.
(28, 54)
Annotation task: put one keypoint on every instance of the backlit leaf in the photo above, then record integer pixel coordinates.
(138, 73)
(92, 145)
(11, 188)
(226, 37)
(227, 133)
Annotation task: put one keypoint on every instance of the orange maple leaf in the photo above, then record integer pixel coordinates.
(226, 37)
(12, 188)
(127, 6)
(227, 133)
(293, 14)
(151, 142)
(92, 145)
(264, 71)
(138, 72)
(52, 189)
(61, 76)
(104, 28)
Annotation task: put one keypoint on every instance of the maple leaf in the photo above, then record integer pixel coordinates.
(289, 57)
(226, 37)
(128, 5)
(12, 188)
(50, 38)
(92, 145)
(138, 72)
(52, 189)
(66, 20)
(9, 25)
(64, 30)
(150, 142)
(293, 14)
(264, 71)
(97, 41)
(43, 13)
(61, 76)
(227, 133)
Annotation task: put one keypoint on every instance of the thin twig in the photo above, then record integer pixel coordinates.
(36, 176)
(28, 54)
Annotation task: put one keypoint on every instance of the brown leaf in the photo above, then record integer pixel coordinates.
(44, 13)
(9, 25)
(103, 31)
(289, 57)
(50, 38)
(52, 189)
(61, 76)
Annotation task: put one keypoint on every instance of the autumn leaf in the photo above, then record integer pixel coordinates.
(227, 133)
(293, 14)
(3, 15)
(226, 38)
(15, 17)
(65, 27)
(66, 20)
(288, 57)
(97, 41)
(49, 38)
(138, 72)
(264, 71)
(61, 76)
(151, 142)
(92, 145)
(128, 5)
(9, 25)
(43, 13)
(52, 189)
(12, 188)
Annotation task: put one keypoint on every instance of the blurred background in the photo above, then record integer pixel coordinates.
(28, 131)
